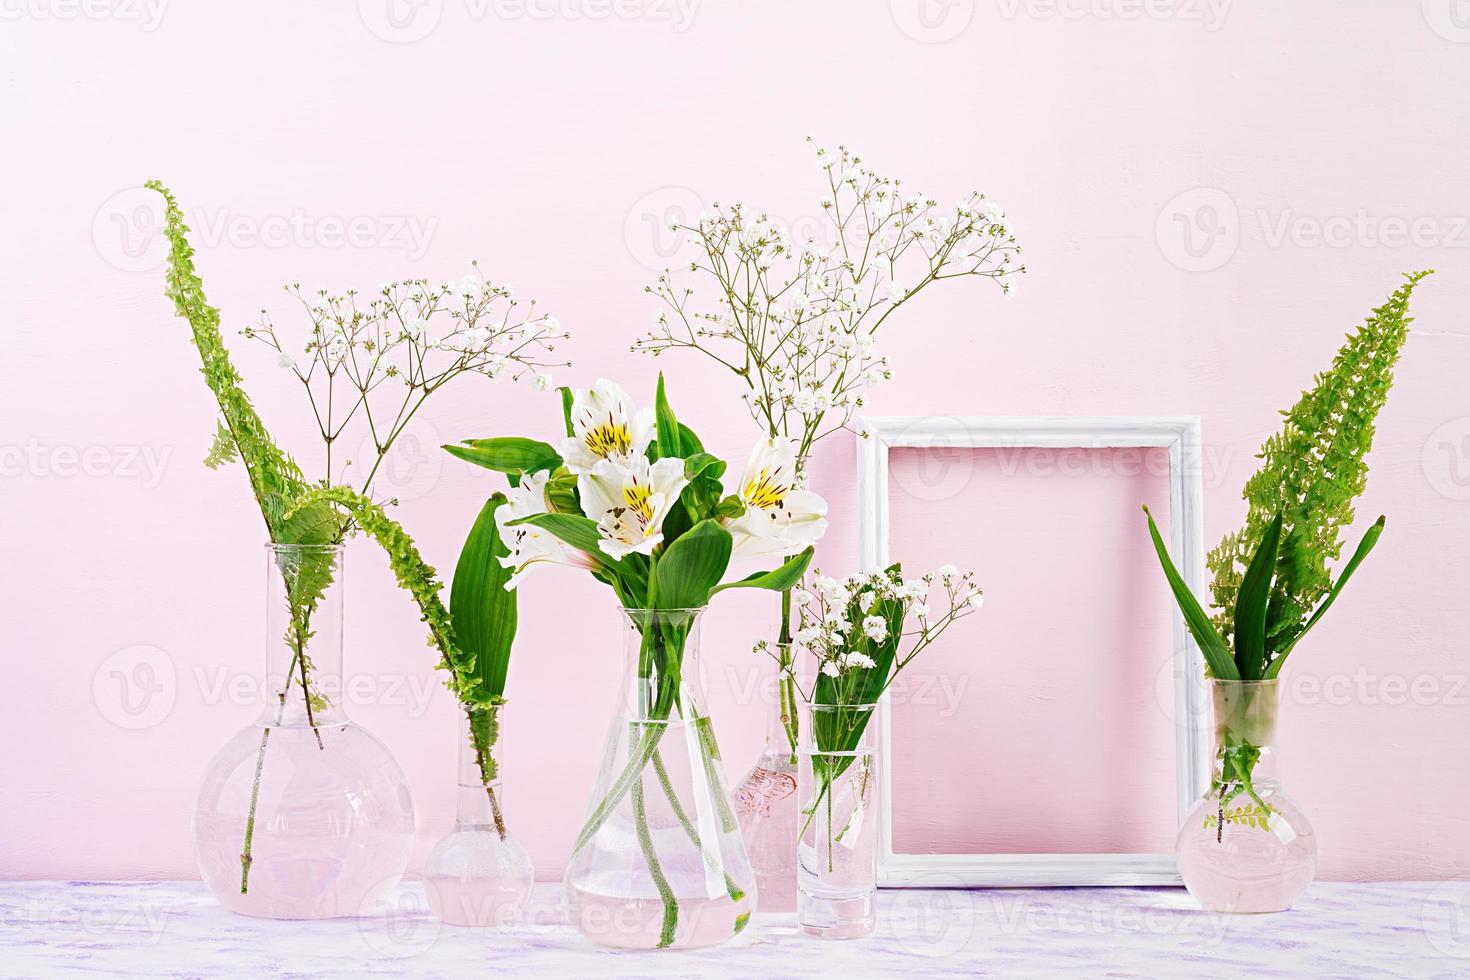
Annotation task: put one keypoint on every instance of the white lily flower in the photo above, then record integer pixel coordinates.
(530, 545)
(629, 503)
(604, 427)
(779, 520)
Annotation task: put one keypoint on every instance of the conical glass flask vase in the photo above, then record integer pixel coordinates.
(1246, 846)
(478, 875)
(659, 863)
(303, 814)
(765, 800)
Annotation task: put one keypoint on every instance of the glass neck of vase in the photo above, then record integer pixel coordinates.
(479, 794)
(1245, 730)
(303, 635)
(665, 679)
(781, 700)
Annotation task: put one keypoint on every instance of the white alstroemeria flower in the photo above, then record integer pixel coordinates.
(605, 427)
(530, 545)
(779, 520)
(629, 503)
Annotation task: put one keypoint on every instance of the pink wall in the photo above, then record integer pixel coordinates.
(1209, 194)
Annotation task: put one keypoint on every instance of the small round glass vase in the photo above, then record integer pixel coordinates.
(303, 814)
(659, 863)
(477, 875)
(837, 841)
(1246, 846)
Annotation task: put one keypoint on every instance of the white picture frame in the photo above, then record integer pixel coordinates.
(1180, 435)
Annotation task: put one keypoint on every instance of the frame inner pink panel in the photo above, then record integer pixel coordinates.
(1044, 722)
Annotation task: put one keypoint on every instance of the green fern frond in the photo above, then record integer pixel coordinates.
(1311, 472)
(222, 449)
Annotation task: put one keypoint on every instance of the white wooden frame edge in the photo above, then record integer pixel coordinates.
(1181, 436)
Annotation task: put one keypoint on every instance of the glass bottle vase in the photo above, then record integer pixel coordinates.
(1246, 847)
(659, 863)
(765, 800)
(303, 814)
(478, 875)
(837, 843)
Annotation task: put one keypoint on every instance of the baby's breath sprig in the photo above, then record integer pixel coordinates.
(381, 356)
(796, 321)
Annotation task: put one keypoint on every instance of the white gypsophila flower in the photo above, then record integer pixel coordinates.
(920, 609)
(946, 572)
(779, 518)
(876, 628)
(527, 544)
(896, 291)
(629, 502)
(855, 659)
(976, 600)
(476, 337)
(807, 635)
(286, 362)
(1012, 284)
(542, 381)
(831, 668)
(469, 285)
(605, 427)
(866, 600)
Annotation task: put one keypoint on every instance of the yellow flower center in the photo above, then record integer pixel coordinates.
(608, 438)
(765, 491)
(636, 496)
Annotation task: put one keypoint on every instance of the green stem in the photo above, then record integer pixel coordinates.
(655, 870)
(712, 860)
(245, 858)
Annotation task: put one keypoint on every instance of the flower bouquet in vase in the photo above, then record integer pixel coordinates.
(1247, 846)
(797, 322)
(859, 633)
(634, 499)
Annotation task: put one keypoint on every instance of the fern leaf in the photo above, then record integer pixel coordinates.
(222, 450)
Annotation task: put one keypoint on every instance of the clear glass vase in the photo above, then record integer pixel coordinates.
(477, 875)
(837, 844)
(303, 814)
(1246, 847)
(765, 800)
(659, 862)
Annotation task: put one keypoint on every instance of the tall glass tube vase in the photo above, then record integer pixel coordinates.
(837, 841)
(1246, 846)
(659, 863)
(303, 814)
(478, 875)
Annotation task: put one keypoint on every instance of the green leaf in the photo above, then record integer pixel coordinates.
(578, 531)
(222, 450)
(731, 507)
(670, 440)
(689, 441)
(1251, 604)
(567, 399)
(777, 579)
(692, 566)
(507, 455)
(701, 463)
(1216, 654)
(482, 609)
(1370, 538)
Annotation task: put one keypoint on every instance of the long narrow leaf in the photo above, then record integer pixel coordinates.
(482, 609)
(1370, 538)
(507, 455)
(1251, 604)
(777, 580)
(567, 400)
(1216, 654)
(670, 441)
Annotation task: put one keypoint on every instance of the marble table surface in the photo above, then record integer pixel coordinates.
(174, 929)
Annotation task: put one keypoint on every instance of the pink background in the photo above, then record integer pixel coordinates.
(1206, 206)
